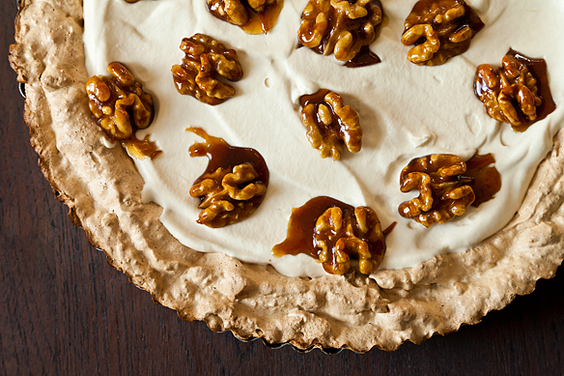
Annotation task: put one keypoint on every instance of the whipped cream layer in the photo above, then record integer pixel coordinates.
(406, 111)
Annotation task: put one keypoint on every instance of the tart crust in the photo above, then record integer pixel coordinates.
(102, 189)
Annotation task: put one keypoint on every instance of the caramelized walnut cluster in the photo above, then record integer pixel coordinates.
(233, 185)
(119, 102)
(447, 186)
(330, 124)
(253, 16)
(439, 30)
(341, 27)
(205, 61)
(121, 107)
(443, 192)
(511, 93)
(333, 232)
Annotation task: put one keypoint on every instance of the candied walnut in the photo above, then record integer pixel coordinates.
(447, 186)
(253, 16)
(341, 27)
(439, 30)
(234, 183)
(119, 102)
(511, 93)
(205, 61)
(121, 107)
(333, 232)
(330, 124)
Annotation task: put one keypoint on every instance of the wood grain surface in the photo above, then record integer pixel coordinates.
(65, 311)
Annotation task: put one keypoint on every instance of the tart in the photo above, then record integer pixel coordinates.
(104, 191)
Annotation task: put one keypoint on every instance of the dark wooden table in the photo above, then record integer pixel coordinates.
(65, 311)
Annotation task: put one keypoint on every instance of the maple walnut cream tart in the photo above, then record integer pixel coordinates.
(422, 159)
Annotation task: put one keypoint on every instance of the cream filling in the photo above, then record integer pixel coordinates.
(406, 111)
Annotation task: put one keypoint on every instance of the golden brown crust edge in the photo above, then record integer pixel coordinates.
(103, 191)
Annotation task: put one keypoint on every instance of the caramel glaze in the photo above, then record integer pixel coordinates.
(316, 98)
(135, 146)
(538, 68)
(145, 147)
(365, 57)
(259, 22)
(223, 155)
(485, 180)
(141, 148)
(264, 21)
(301, 230)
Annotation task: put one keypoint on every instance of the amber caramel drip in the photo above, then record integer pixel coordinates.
(389, 229)
(145, 147)
(316, 98)
(263, 22)
(538, 69)
(301, 227)
(364, 58)
(223, 155)
(486, 179)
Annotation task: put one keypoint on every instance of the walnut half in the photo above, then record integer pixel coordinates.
(205, 61)
(330, 124)
(341, 27)
(439, 30)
